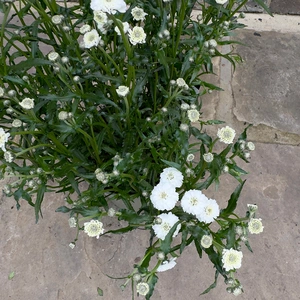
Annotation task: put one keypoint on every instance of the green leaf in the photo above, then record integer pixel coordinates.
(213, 285)
(63, 209)
(29, 63)
(233, 200)
(198, 247)
(11, 275)
(166, 243)
(38, 202)
(264, 6)
(248, 246)
(152, 282)
(205, 138)
(171, 164)
(183, 239)
(99, 291)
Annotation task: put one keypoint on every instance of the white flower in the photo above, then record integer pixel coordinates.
(72, 245)
(212, 43)
(226, 135)
(100, 17)
(208, 157)
(171, 176)
(57, 19)
(101, 176)
(250, 146)
(53, 56)
(231, 259)
(27, 103)
(91, 39)
(72, 222)
(192, 201)
(125, 28)
(239, 230)
(85, 28)
(93, 228)
(109, 6)
(111, 212)
(1, 92)
(138, 14)
(164, 196)
(142, 288)
(167, 222)
(190, 157)
(63, 115)
(193, 115)
(167, 265)
(209, 211)
(184, 127)
(8, 156)
(137, 35)
(221, 1)
(252, 207)
(255, 226)
(237, 291)
(184, 106)
(122, 90)
(181, 83)
(206, 241)
(16, 123)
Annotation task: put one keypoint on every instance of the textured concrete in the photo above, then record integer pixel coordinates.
(47, 269)
(291, 7)
(266, 87)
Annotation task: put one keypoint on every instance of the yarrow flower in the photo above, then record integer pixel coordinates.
(190, 157)
(57, 19)
(27, 103)
(142, 288)
(226, 135)
(8, 156)
(250, 146)
(125, 28)
(255, 226)
(138, 14)
(184, 127)
(192, 201)
(167, 265)
(122, 90)
(181, 83)
(208, 157)
(93, 228)
(167, 222)
(209, 211)
(206, 241)
(85, 28)
(137, 35)
(231, 259)
(16, 123)
(63, 115)
(171, 176)
(164, 196)
(109, 6)
(72, 222)
(53, 56)
(101, 176)
(221, 1)
(193, 115)
(91, 39)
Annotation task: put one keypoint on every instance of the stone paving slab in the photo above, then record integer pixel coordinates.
(265, 87)
(46, 268)
(291, 7)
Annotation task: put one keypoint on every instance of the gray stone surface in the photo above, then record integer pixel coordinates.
(46, 268)
(284, 7)
(266, 86)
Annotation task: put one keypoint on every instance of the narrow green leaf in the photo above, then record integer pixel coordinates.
(166, 243)
(63, 209)
(11, 275)
(198, 247)
(38, 202)
(233, 200)
(152, 282)
(99, 291)
(213, 285)
(171, 164)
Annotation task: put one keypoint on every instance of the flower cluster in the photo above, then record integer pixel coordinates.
(112, 111)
